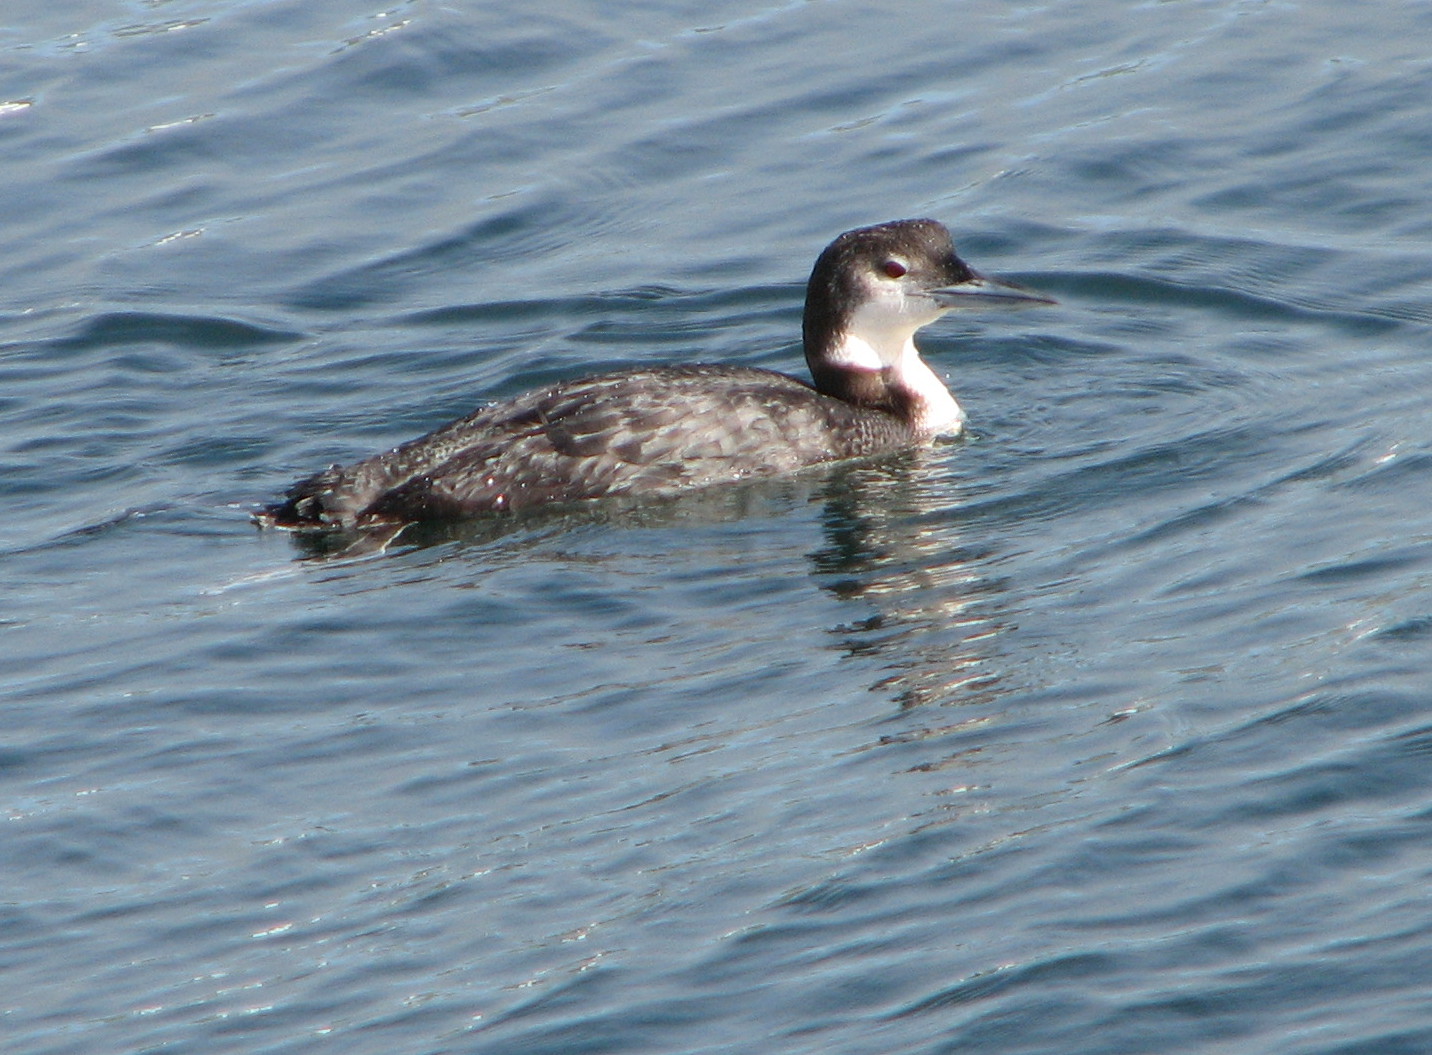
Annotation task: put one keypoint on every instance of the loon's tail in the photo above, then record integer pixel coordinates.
(313, 504)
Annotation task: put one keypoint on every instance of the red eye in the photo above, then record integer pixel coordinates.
(894, 269)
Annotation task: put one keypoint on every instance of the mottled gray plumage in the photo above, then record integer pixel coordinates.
(615, 434)
(657, 431)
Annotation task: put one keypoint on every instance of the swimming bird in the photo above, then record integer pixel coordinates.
(660, 430)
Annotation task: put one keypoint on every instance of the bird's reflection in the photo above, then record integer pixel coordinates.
(893, 541)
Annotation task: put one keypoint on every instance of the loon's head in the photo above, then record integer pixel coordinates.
(871, 289)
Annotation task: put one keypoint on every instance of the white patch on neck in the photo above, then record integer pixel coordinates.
(853, 353)
(881, 339)
(936, 411)
(880, 330)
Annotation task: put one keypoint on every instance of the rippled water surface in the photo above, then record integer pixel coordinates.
(1104, 729)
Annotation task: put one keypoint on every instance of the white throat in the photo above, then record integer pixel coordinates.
(882, 341)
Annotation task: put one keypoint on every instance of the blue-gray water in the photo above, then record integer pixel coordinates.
(1106, 729)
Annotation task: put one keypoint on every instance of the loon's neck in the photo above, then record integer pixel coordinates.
(887, 375)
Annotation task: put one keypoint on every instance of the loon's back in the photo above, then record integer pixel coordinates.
(649, 432)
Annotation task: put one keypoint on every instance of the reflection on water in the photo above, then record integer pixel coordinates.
(893, 541)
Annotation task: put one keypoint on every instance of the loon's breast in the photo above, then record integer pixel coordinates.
(650, 431)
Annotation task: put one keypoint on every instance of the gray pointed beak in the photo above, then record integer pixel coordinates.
(980, 291)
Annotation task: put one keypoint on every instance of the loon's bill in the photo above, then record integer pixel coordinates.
(982, 291)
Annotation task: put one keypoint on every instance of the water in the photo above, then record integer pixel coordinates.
(1102, 730)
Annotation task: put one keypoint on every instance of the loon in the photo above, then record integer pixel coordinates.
(660, 430)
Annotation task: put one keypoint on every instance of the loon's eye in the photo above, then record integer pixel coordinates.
(894, 269)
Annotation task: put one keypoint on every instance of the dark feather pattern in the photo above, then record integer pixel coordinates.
(651, 431)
